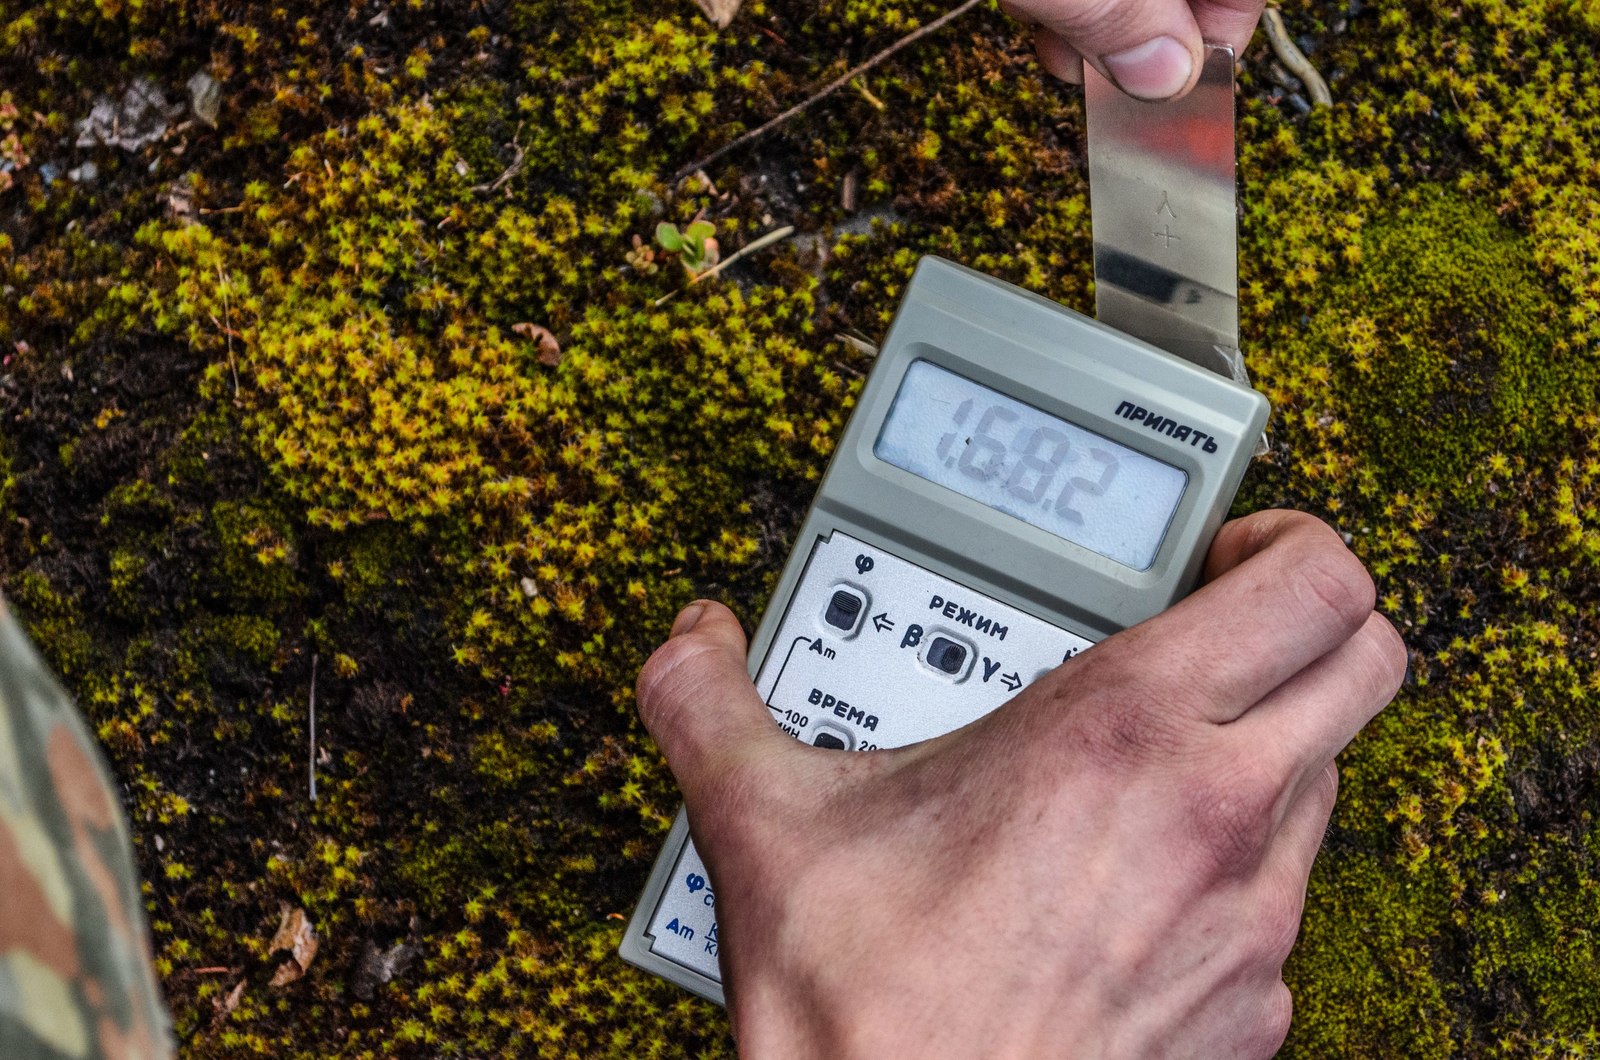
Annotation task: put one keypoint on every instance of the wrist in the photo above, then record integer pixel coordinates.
(792, 1022)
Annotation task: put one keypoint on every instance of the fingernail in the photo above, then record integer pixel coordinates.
(687, 618)
(1154, 70)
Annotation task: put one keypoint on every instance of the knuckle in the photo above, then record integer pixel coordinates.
(1332, 581)
(1098, 15)
(751, 803)
(1387, 655)
(659, 690)
(1277, 923)
(733, 811)
(1272, 1028)
(1099, 27)
(1230, 818)
(1119, 714)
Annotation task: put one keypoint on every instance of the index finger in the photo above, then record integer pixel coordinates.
(1281, 591)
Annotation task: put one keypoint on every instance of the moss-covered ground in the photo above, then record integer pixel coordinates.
(277, 413)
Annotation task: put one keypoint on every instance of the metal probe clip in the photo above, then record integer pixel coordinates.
(1164, 210)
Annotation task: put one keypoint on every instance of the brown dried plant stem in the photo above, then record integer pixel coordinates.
(1293, 59)
(830, 88)
(311, 711)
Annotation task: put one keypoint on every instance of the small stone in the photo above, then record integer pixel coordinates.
(84, 174)
(102, 117)
(379, 966)
(141, 117)
(720, 12)
(205, 97)
(530, 589)
(179, 197)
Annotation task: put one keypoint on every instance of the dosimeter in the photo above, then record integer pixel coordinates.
(1017, 481)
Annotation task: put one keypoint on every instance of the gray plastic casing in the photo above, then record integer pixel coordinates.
(1064, 364)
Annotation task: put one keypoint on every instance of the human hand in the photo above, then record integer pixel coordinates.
(1112, 864)
(1149, 48)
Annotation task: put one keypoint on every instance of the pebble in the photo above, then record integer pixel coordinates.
(142, 116)
(205, 97)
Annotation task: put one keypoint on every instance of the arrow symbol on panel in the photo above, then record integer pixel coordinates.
(1012, 681)
(882, 622)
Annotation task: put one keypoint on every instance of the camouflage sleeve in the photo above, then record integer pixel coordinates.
(76, 980)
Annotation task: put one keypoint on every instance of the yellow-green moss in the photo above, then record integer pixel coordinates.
(1439, 347)
(277, 393)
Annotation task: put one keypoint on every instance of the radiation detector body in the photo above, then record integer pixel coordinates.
(1017, 482)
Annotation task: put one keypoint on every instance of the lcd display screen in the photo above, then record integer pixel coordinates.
(1028, 464)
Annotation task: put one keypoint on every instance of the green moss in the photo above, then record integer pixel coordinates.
(281, 391)
(1441, 345)
(1375, 991)
(257, 552)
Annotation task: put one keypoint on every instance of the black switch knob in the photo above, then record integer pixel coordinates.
(945, 654)
(843, 610)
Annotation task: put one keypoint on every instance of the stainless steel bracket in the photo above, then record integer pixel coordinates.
(1163, 203)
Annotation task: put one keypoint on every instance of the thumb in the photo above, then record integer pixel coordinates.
(696, 698)
(1151, 49)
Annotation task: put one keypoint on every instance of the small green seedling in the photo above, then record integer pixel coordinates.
(693, 246)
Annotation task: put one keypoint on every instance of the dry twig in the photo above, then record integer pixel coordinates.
(227, 330)
(518, 158)
(861, 346)
(1293, 59)
(830, 88)
(311, 710)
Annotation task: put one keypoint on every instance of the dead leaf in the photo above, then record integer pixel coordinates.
(720, 12)
(227, 1004)
(299, 938)
(549, 348)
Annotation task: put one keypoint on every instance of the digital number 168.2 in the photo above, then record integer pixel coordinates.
(1035, 458)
